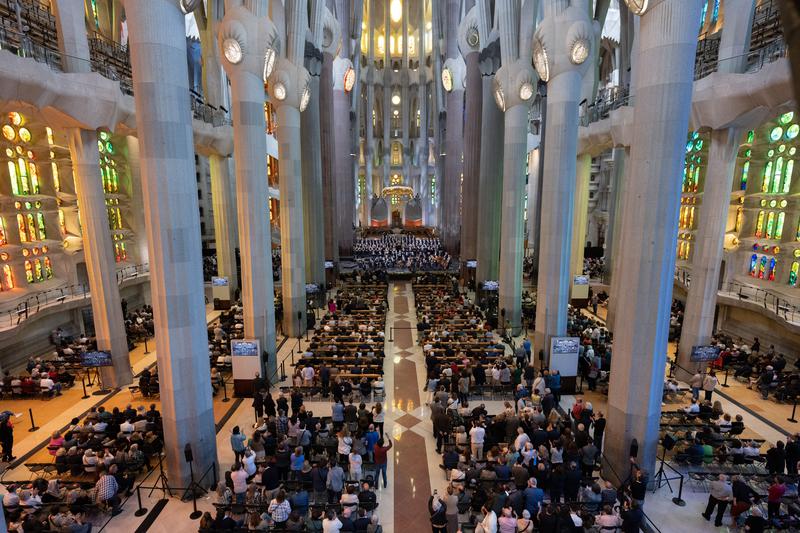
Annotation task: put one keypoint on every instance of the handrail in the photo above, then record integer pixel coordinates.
(611, 99)
(754, 60)
(11, 317)
(604, 460)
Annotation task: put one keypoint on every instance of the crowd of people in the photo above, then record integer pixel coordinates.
(303, 472)
(594, 267)
(96, 462)
(401, 252)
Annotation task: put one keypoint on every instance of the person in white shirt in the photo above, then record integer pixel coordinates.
(476, 436)
(331, 524)
(692, 409)
(308, 375)
(239, 479)
(49, 385)
(521, 439)
(126, 427)
(489, 522)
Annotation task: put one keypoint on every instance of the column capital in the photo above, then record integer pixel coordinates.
(289, 84)
(490, 58)
(248, 43)
(458, 73)
(514, 85)
(563, 42)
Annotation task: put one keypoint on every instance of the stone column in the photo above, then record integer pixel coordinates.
(224, 213)
(453, 169)
(667, 42)
(490, 177)
(735, 40)
(313, 209)
(582, 175)
(137, 201)
(109, 324)
(614, 212)
(164, 125)
(254, 34)
(534, 160)
(562, 26)
(472, 157)
(701, 301)
(345, 179)
(73, 41)
(327, 111)
(294, 80)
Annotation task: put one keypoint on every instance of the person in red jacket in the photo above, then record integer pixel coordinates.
(380, 452)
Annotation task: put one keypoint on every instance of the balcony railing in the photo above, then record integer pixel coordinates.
(40, 301)
(752, 61)
(608, 100)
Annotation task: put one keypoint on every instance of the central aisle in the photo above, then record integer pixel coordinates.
(412, 432)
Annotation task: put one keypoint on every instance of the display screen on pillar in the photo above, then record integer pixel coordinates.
(472, 263)
(218, 281)
(491, 286)
(95, 359)
(564, 352)
(245, 364)
(704, 354)
(328, 264)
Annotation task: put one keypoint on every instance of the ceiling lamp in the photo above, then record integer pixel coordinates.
(579, 51)
(305, 98)
(526, 91)
(232, 50)
(280, 91)
(269, 63)
(396, 10)
(349, 79)
(540, 61)
(473, 37)
(499, 97)
(447, 79)
(638, 7)
(395, 99)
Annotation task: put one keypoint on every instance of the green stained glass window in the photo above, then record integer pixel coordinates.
(776, 133)
(745, 171)
(792, 131)
(793, 274)
(40, 224)
(770, 225)
(776, 178)
(751, 135)
(787, 176)
(760, 226)
(767, 177)
(786, 117)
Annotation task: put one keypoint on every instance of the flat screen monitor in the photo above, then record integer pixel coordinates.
(704, 354)
(244, 348)
(218, 281)
(95, 359)
(472, 263)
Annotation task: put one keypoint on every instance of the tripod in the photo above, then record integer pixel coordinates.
(194, 489)
(162, 482)
(661, 476)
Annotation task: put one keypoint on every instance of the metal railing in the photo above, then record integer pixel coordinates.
(608, 100)
(683, 276)
(35, 303)
(752, 61)
(769, 300)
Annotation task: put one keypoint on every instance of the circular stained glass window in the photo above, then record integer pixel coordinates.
(797, 253)
(776, 133)
(698, 144)
(9, 133)
(689, 146)
(101, 146)
(792, 150)
(25, 135)
(748, 152)
(44, 249)
(15, 118)
(783, 203)
(18, 205)
(763, 203)
(104, 135)
(27, 205)
(792, 131)
(773, 203)
(38, 204)
(35, 251)
(26, 252)
(4, 255)
(30, 154)
(770, 153)
(109, 147)
(786, 117)
(776, 250)
(9, 152)
(782, 148)
(19, 150)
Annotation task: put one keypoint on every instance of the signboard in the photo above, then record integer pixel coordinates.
(95, 359)
(245, 363)
(220, 289)
(491, 286)
(564, 355)
(704, 354)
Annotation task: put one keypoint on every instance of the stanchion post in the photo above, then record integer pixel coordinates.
(677, 500)
(794, 408)
(225, 392)
(34, 427)
(141, 511)
(146, 349)
(391, 333)
(83, 382)
(726, 379)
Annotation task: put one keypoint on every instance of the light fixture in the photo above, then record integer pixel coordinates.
(473, 37)
(499, 97)
(305, 97)
(280, 91)
(396, 10)
(269, 63)
(579, 51)
(447, 79)
(638, 7)
(232, 50)
(540, 60)
(349, 79)
(526, 91)
(395, 99)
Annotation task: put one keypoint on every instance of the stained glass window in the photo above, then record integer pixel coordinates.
(29, 271)
(31, 224)
(3, 238)
(760, 226)
(753, 264)
(22, 171)
(8, 278)
(770, 224)
(793, 274)
(779, 225)
(715, 11)
(745, 171)
(739, 219)
(762, 267)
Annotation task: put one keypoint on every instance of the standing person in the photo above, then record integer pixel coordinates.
(269, 405)
(378, 416)
(356, 461)
(599, 423)
(237, 443)
(331, 523)
(774, 497)
(721, 494)
(792, 453)
(438, 511)
(381, 452)
(709, 384)
(258, 405)
(239, 479)
(695, 383)
(334, 482)
(7, 438)
(595, 301)
(476, 437)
